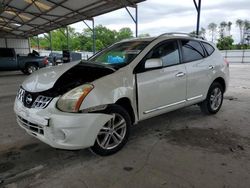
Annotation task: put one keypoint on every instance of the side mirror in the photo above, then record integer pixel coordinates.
(153, 63)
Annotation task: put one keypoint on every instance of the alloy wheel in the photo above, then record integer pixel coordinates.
(112, 133)
(215, 98)
(31, 69)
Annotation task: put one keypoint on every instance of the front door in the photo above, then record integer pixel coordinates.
(163, 89)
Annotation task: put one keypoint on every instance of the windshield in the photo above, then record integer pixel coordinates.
(120, 54)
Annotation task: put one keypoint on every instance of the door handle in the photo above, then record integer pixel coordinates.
(180, 74)
(210, 67)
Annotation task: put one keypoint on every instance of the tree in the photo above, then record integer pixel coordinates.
(202, 32)
(229, 27)
(240, 24)
(225, 43)
(212, 27)
(81, 41)
(246, 24)
(223, 26)
(124, 33)
(104, 37)
(245, 32)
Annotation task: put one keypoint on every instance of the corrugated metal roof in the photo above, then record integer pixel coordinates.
(25, 18)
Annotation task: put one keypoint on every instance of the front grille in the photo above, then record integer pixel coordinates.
(33, 100)
(31, 126)
(20, 94)
(41, 102)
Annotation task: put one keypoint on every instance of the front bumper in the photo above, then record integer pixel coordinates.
(59, 129)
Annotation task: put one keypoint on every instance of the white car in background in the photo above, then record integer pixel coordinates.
(94, 103)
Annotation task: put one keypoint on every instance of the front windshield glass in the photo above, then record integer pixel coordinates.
(120, 54)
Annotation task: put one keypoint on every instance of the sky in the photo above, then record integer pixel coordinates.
(160, 16)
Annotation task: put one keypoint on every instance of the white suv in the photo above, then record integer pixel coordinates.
(94, 103)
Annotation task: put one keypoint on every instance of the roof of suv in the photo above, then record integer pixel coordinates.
(167, 36)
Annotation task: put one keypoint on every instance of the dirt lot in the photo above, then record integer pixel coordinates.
(183, 148)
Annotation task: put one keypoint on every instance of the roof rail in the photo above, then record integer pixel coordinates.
(181, 34)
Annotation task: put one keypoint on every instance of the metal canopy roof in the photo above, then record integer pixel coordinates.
(26, 18)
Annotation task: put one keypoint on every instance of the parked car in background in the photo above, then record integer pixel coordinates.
(9, 61)
(55, 58)
(94, 103)
(69, 56)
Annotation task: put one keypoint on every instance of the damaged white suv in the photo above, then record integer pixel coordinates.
(94, 103)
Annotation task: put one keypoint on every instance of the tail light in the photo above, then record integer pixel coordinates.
(226, 62)
(45, 61)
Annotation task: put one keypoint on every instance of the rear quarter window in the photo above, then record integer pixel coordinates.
(191, 50)
(209, 48)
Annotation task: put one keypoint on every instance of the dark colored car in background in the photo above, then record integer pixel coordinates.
(9, 61)
(55, 58)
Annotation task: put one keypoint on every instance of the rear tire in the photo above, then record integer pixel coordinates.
(30, 68)
(214, 100)
(114, 134)
(24, 71)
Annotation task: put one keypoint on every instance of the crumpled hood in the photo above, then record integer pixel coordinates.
(45, 78)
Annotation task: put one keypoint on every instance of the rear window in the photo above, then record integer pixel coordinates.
(208, 47)
(191, 51)
(6, 52)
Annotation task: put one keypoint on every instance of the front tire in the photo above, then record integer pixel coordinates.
(214, 100)
(114, 134)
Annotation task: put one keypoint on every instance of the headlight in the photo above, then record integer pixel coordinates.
(72, 100)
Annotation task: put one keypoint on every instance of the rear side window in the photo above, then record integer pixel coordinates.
(168, 52)
(191, 50)
(208, 47)
(6, 52)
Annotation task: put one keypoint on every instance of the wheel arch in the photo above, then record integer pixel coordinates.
(222, 82)
(32, 63)
(126, 104)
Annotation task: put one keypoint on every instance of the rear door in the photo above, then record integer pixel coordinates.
(8, 59)
(162, 89)
(198, 70)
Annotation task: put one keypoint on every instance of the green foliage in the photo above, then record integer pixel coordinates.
(124, 33)
(225, 43)
(81, 41)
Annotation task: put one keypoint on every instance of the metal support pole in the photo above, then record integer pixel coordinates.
(136, 21)
(67, 30)
(243, 55)
(198, 8)
(50, 41)
(93, 33)
(38, 44)
(29, 44)
(93, 30)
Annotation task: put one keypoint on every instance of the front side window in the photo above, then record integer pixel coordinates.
(120, 54)
(168, 52)
(191, 51)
